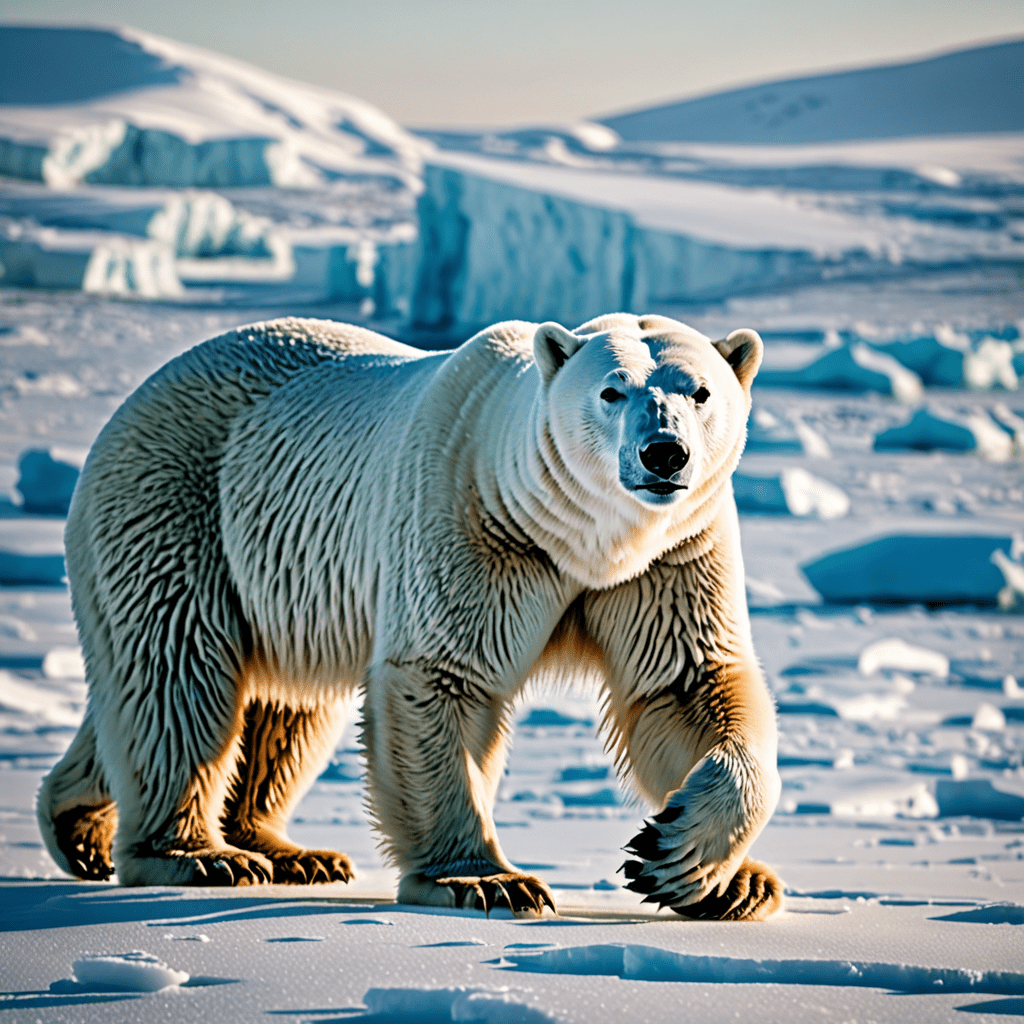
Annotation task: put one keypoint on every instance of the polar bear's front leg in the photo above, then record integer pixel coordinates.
(435, 746)
(693, 853)
(694, 725)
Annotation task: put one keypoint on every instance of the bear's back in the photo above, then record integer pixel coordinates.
(157, 460)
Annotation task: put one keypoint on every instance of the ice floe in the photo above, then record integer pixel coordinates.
(46, 483)
(767, 433)
(937, 569)
(855, 368)
(99, 262)
(978, 798)
(793, 491)
(947, 358)
(22, 570)
(931, 428)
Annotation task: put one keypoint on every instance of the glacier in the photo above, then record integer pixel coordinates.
(143, 110)
(168, 172)
(507, 237)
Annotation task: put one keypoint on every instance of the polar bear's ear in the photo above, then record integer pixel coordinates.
(552, 346)
(742, 350)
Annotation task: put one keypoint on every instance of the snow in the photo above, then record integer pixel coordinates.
(489, 1005)
(900, 830)
(963, 92)
(898, 833)
(150, 111)
(129, 972)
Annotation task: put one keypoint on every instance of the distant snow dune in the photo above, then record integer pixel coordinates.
(966, 92)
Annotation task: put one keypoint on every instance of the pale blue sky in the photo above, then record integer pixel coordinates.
(481, 62)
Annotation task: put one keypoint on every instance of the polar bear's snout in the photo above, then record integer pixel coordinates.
(662, 467)
(664, 458)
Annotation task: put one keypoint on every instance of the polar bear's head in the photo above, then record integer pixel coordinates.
(646, 406)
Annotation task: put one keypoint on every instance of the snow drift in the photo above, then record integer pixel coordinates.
(967, 91)
(120, 106)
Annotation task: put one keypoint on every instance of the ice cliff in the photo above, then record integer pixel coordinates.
(121, 106)
(514, 238)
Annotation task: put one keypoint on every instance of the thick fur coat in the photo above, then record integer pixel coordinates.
(301, 511)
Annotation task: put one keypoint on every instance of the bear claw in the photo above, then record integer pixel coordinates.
(754, 893)
(522, 894)
(236, 869)
(312, 867)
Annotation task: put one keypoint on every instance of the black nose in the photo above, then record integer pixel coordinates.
(664, 458)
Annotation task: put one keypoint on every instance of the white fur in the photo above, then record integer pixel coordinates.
(299, 509)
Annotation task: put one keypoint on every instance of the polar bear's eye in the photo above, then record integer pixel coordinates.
(701, 395)
(611, 395)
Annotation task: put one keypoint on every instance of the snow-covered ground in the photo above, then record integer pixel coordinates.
(885, 277)
(899, 833)
(957, 93)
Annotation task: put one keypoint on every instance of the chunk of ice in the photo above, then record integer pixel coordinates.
(46, 483)
(896, 654)
(855, 367)
(934, 429)
(64, 663)
(988, 718)
(977, 798)
(127, 972)
(937, 569)
(651, 963)
(793, 491)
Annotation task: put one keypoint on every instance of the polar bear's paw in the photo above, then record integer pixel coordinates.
(754, 893)
(227, 866)
(85, 835)
(311, 867)
(524, 895)
(691, 854)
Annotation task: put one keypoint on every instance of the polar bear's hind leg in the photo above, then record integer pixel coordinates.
(77, 816)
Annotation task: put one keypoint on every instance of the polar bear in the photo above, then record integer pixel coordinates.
(299, 512)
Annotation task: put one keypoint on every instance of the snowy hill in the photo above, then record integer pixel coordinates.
(120, 106)
(117, 140)
(967, 92)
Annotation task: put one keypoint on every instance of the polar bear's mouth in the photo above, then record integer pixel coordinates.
(662, 487)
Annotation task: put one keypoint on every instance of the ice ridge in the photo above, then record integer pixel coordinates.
(650, 963)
